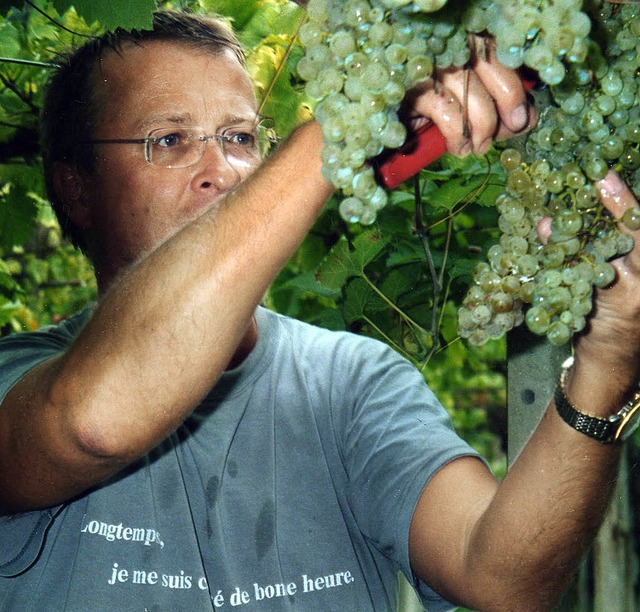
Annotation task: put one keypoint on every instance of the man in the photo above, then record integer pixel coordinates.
(175, 448)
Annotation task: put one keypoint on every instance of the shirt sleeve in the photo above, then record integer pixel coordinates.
(22, 534)
(395, 438)
(19, 353)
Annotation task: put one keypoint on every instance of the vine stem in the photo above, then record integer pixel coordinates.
(282, 64)
(389, 303)
(15, 60)
(388, 340)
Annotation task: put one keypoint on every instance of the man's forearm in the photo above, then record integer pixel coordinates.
(545, 514)
(166, 330)
(184, 308)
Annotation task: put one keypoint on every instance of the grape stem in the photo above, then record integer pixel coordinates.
(391, 305)
(280, 68)
(389, 340)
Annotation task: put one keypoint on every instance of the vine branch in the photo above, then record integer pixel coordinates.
(24, 62)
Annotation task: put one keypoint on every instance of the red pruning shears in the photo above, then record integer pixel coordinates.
(424, 147)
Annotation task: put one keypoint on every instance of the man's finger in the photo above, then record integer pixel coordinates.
(505, 87)
(615, 194)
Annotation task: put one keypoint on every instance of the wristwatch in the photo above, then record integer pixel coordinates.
(616, 428)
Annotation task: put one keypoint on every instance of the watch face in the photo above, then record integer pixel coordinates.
(629, 423)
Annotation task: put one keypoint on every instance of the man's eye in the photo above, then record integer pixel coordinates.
(243, 139)
(169, 140)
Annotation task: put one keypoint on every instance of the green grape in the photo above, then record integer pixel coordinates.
(351, 209)
(510, 159)
(631, 218)
(538, 320)
(558, 333)
(604, 274)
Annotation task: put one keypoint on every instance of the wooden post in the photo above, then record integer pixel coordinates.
(532, 374)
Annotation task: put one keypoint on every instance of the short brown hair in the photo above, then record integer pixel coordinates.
(70, 111)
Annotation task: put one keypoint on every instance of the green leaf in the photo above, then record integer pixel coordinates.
(239, 12)
(357, 296)
(462, 267)
(337, 267)
(10, 45)
(456, 190)
(127, 14)
(18, 213)
(367, 246)
(8, 285)
(406, 251)
(342, 263)
(8, 309)
(329, 318)
(38, 270)
(400, 281)
(307, 282)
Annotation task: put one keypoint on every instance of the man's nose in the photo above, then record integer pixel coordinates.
(215, 170)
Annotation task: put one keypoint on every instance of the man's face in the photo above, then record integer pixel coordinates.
(132, 205)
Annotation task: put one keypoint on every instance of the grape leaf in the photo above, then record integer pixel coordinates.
(400, 281)
(337, 267)
(457, 190)
(357, 297)
(307, 282)
(342, 263)
(127, 14)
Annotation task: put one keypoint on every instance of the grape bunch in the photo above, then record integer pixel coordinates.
(592, 125)
(361, 57)
(358, 63)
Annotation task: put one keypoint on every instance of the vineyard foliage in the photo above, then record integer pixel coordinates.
(401, 279)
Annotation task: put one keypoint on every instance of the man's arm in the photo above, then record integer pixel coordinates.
(523, 539)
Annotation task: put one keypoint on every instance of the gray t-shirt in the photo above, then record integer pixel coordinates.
(291, 487)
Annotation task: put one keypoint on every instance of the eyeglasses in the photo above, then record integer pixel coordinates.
(181, 147)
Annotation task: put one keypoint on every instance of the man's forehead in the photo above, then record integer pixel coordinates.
(141, 56)
(173, 81)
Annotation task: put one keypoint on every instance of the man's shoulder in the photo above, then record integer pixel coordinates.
(55, 335)
(20, 352)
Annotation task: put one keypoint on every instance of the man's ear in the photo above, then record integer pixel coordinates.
(69, 189)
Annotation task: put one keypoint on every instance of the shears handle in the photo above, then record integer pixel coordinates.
(425, 146)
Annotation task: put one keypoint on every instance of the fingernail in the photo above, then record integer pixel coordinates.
(485, 146)
(519, 118)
